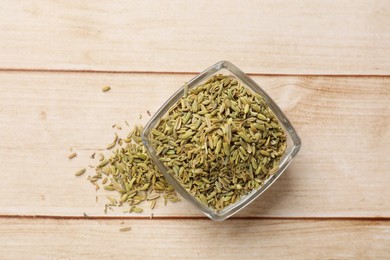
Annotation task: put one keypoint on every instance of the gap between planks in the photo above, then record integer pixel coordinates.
(152, 217)
(180, 72)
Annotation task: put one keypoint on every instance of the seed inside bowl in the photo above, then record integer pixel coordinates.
(221, 141)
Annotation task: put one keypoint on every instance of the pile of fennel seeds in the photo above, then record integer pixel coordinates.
(130, 172)
(221, 141)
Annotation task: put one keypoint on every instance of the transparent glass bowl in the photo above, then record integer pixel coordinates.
(293, 140)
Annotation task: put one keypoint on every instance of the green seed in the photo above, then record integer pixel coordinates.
(110, 146)
(109, 187)
(152, 204)
(262, 117)
(265, 153)
(80, 172)
(126, 229)
(136, 209)
(72, 155)
(106, 88)
(153, 197)
(185, 90)
(218, 147)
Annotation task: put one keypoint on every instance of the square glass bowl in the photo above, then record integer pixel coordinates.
(293, 140)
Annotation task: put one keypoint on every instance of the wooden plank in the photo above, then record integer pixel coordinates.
(342, 169)
(188, 239)
(282, 37)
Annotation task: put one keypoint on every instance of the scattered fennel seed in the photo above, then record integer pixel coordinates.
(80, 172)
(106, 88)
(72, 155)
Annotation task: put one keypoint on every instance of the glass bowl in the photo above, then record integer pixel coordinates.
(292, 138)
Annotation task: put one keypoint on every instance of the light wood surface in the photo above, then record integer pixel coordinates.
(273, 37)
(186, 239)
(327, 65)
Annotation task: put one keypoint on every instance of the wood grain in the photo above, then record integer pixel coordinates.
(55, 56)
(187, 239)
(341, 171)
(268, 37)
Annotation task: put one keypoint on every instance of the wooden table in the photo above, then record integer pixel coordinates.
(326, 63)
